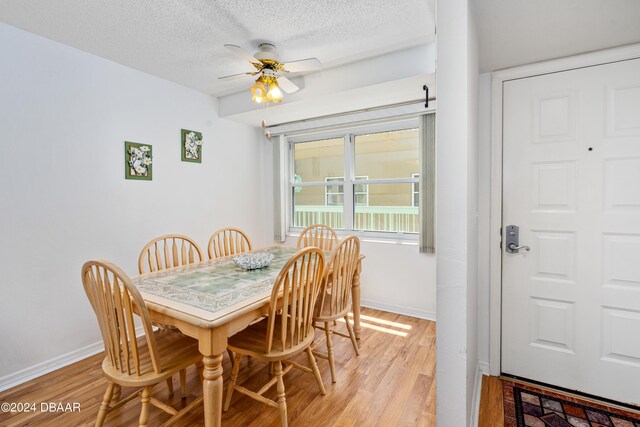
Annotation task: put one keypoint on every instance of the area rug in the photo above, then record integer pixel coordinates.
(529, 406)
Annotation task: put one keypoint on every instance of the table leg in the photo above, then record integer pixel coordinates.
(355, 297)
(212, 390)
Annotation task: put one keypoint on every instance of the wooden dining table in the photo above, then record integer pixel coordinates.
(212, 301)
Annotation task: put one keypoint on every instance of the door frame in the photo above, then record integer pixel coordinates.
(498, 78)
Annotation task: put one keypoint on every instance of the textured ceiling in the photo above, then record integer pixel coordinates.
(182, 40)
(515, 32)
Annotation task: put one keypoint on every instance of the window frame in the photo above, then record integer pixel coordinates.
(349, 181)
(414, 192)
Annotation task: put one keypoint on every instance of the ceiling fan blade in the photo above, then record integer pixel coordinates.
(241, 53)
(287, 85)
(234, 76)
(309, 64)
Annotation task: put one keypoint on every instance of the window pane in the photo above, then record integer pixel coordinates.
(312, 205)
(390, 208)
(361, 199)
(335, 189)
(316, 161)
(334, 199)
(387, 154)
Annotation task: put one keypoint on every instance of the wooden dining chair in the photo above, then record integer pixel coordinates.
(171, 250)
(131, 362)
(287, 331)
(168, 251)
(318, 235)
(228, 241)
(334, 300)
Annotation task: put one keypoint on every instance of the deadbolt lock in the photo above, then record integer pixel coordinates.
(513, 240)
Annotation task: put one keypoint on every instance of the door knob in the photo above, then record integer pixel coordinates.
(514, 248)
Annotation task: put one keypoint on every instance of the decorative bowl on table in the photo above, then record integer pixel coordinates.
(253, 261)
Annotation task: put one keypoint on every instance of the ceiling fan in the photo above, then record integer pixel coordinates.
(270, 71)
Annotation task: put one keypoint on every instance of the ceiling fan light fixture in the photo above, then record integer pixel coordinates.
(266, 90)
(269, 69)
(274, 94)
(258, 90)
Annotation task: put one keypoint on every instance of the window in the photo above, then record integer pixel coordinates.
(361, 193)
(334, 194)
(359, 180)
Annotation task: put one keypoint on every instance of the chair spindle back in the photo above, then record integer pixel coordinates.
(228, 241)
(297, 284)
(113, 297)
(318, 235)
(171, 250)
(338, 277)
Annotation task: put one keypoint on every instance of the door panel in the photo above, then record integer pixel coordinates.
(571, 182)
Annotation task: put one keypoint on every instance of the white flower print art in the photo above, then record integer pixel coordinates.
(138, 161)
(191, 142)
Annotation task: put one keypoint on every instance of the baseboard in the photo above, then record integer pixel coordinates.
(484, 367)
(475, 403)
(392, 308)
(35, 371)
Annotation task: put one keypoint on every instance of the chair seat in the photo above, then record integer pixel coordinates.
(176, 352)
(326, 315)
(251, 341)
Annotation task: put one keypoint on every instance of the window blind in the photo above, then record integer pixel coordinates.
(279, 187)
(427, 183)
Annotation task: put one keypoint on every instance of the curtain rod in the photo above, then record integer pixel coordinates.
(353, 125)
(348, 113)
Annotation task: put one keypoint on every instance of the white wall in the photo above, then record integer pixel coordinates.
(472, 212)
(456, 208)
(484, 209)
(64, 117)
(473, 382)
(522, 32)
(399, 279)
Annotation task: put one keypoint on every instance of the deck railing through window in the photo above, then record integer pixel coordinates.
(373, 218)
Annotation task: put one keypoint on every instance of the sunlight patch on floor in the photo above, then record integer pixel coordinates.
(370, 324)
(383, 322)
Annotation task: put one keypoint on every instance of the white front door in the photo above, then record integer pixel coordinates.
(571, 182)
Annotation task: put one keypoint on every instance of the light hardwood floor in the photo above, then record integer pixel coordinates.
(491, 403)
(391, 383)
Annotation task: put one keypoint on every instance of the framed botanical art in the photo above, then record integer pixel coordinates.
(138, 159)
(191, 142)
